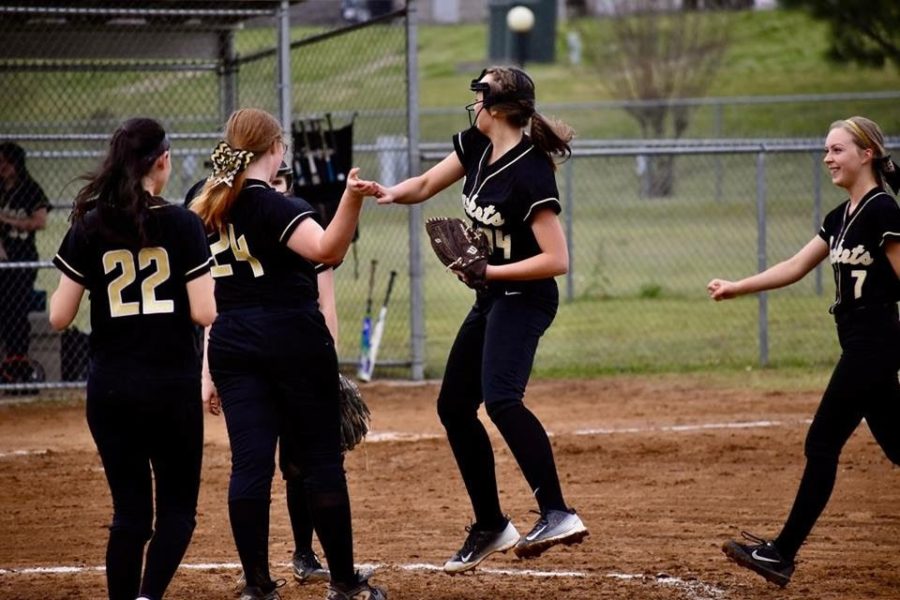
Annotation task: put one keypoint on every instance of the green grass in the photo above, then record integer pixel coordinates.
(639, 267)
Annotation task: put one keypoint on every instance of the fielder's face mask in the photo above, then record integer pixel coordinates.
(523, 90)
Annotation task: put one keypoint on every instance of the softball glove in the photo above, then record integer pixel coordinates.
(355, 415)
(462, 249)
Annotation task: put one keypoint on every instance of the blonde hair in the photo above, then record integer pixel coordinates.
(249, 129)
(867, 135)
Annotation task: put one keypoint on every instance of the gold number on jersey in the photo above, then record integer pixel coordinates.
(239, 248)
(160, 258)
(499, 240)
(860, 276)
(124, 259)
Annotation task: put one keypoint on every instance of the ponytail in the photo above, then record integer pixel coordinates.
(889, 172)
(552, 137)
(116, 189)
(249, 134)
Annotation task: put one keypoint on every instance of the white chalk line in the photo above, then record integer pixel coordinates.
(376, 437)
(695, 589)
(692, 427)
(66, 570)
(13, 453)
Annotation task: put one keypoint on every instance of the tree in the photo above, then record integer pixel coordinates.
(863, 32)
(654, 53)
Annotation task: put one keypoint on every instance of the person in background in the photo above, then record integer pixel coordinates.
(23, 211)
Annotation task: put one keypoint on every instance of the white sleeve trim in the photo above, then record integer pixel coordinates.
(198, 267)
(889, 234)
(70, 267)
(291, 224)
(536, 204)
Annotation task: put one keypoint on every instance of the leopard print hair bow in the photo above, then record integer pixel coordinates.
(227, 162)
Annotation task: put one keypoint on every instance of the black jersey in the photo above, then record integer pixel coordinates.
(862, 272)
(502, 198)
(20, 202)
(254, 267)
(140, 314)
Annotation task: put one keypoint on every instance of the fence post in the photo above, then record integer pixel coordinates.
(416, 265)
(817, 212)
(570, 230)
(761, 256)
(717, 133)
(284, 66)
(228, 92)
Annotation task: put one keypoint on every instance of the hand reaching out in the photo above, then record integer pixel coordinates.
(721, 289)
(383, 195)
(360, 187)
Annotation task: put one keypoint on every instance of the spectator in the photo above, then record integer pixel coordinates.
(23, 211)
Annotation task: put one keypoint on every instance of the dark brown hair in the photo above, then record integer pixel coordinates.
(513, 91)
(116, 189)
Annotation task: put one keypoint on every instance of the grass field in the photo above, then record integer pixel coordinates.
(639, 266)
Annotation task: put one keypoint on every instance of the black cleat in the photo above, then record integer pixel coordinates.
(479, 545)
(762, 557)
(307, 568)
(359, 590)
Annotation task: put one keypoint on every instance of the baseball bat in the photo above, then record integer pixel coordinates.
(326, 151)
(378, 331)
(365, 341)
(313, 171)
(340, 176)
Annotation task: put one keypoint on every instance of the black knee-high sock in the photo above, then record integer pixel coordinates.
(298, 510)
(250, 527)
(124, 562)
(530, 445)
(331, 517)
(812, 496)
(165, 551)
(475, 459)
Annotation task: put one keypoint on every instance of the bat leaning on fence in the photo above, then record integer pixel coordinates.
(365, 341)
(378, 331)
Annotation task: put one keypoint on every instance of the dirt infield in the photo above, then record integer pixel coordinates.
(662, 470)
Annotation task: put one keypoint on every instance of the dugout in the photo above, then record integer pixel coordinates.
(70, 71)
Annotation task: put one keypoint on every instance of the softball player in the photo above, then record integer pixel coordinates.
(305, 564)
(510, 193)
(270, 355)
(861, 238)
(146, 266)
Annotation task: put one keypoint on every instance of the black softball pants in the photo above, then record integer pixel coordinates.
(139, 423)
(277, 374)
(864, 385)
(490, 361)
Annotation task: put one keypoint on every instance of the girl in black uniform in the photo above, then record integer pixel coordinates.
(270, 355)
(510, 193)
(861, 237)
(146, 265)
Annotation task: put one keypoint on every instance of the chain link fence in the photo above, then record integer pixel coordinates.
(70, 73)
(635, 295)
